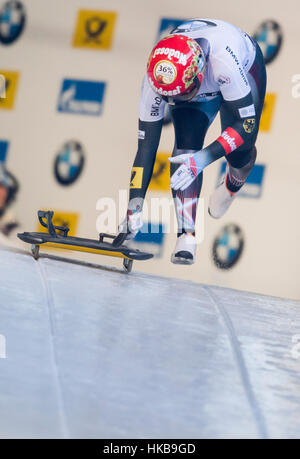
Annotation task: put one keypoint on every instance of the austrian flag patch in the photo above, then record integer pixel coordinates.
(230, 140)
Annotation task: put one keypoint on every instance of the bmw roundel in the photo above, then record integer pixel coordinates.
(228, 246)
(12, 21)
(269, 37)
(69, 163)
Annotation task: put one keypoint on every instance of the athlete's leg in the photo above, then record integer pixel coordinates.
(191, 121)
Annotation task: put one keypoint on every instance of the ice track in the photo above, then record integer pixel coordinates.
(95, 353)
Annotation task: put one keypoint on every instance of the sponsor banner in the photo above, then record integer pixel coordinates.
(69, 219)
(4, 144)
(150, 238)
(94, 29)
(253, 186)
(12, 21)
(166, 26)
(81, 97)
(268, 112)
(160, 180)
(8, 88)
(228, 246)
(269, 37)
(69, 162)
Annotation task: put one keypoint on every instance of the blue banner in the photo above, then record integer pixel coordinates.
(81, 97)
(254, 183)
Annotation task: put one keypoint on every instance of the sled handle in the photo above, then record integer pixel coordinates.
(48, 215)
(103, 235)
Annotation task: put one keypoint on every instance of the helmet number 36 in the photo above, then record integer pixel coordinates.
(165, 72)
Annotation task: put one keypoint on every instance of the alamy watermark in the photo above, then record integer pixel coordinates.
(2, 347)
(296, 86)
(2, 87)
(155, 209)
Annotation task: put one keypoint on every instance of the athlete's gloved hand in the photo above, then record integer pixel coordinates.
(132, 223)
(129, 227)
(191, 166)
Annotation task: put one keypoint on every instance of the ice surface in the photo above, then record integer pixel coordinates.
(97, 353)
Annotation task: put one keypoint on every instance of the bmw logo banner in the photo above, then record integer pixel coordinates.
(228, 246)
(12, 21)
(269, 37)
(69, 163)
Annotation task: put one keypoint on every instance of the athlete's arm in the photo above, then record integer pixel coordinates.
(151, 113)
(238, 106)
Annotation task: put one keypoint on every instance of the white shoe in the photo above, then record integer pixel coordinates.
(132, 223)
(185, 250)
(220, 200)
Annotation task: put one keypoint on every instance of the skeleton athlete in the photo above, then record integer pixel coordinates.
(204, 66)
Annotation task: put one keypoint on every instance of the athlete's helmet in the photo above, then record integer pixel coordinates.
(176, 67)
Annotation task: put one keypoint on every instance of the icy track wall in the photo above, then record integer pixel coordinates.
(54, 50)
(95, 353)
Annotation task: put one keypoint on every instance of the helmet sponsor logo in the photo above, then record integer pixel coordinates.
(170, 52)
(165, 72)
(164, 92)
(175, 66)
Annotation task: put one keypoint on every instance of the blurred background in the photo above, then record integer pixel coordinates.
(69, 95)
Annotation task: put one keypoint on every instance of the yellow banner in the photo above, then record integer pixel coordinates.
(160, 180)
(268, 112)
(94, 29)
(8, 88)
